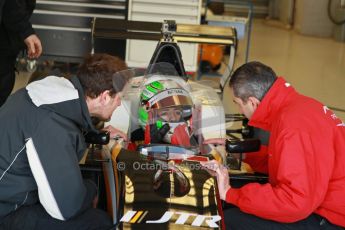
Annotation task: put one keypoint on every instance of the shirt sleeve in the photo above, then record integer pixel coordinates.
(301, 175)
(16, 17)
(258, 161)
(52, 155)
(2, 2)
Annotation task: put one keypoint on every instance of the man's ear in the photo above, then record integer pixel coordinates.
(254, 101)
(104, 97)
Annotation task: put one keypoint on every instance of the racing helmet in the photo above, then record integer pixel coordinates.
(166, 100)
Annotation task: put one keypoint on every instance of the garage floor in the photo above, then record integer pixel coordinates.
(314, 66)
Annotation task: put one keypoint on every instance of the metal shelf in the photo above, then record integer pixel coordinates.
(64, 27)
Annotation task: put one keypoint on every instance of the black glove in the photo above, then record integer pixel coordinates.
(157, 135)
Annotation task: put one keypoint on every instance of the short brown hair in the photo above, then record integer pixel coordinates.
(96, 74)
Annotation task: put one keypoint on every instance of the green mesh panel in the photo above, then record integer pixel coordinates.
(159, 124)
(157, 85)
(152, 88)
(143, 115)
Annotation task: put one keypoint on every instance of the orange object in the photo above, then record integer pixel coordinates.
(213, 54)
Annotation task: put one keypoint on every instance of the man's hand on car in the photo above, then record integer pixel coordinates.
(222, 174)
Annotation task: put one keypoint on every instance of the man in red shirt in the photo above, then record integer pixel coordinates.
(306, 158)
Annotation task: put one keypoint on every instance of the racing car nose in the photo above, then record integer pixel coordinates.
(171, 183)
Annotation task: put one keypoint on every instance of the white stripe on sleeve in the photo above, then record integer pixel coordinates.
(45, 193)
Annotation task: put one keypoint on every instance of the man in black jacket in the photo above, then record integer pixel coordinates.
(16, 34)
(41, 143)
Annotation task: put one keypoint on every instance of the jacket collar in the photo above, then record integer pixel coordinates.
(273, 101)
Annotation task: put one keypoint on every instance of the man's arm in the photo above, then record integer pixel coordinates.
(301, 182)
(258, 161)
(52, 155)
(16, 18)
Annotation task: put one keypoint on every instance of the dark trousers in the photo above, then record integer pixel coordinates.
(36, 218)
(7, 76)
(237, 220)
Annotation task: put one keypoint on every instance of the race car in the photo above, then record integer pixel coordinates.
(155, 179)
(158, 178)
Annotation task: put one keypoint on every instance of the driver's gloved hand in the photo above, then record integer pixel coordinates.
(181, 136)
(157, 134)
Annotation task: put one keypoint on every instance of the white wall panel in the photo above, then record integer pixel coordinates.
(139, 52)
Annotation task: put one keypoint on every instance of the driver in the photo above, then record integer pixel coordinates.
(172, 114)
(165, 112)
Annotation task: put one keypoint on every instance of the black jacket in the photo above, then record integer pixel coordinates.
(41, 143)
(15, 24)
(2, 2)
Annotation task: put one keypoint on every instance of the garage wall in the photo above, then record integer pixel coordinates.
(311, 18)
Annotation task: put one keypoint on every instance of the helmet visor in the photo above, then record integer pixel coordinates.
(170, 97)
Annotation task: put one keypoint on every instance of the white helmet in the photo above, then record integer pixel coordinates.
(165, 100)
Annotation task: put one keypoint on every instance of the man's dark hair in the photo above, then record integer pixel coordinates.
(97, 74)
(252, 79)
